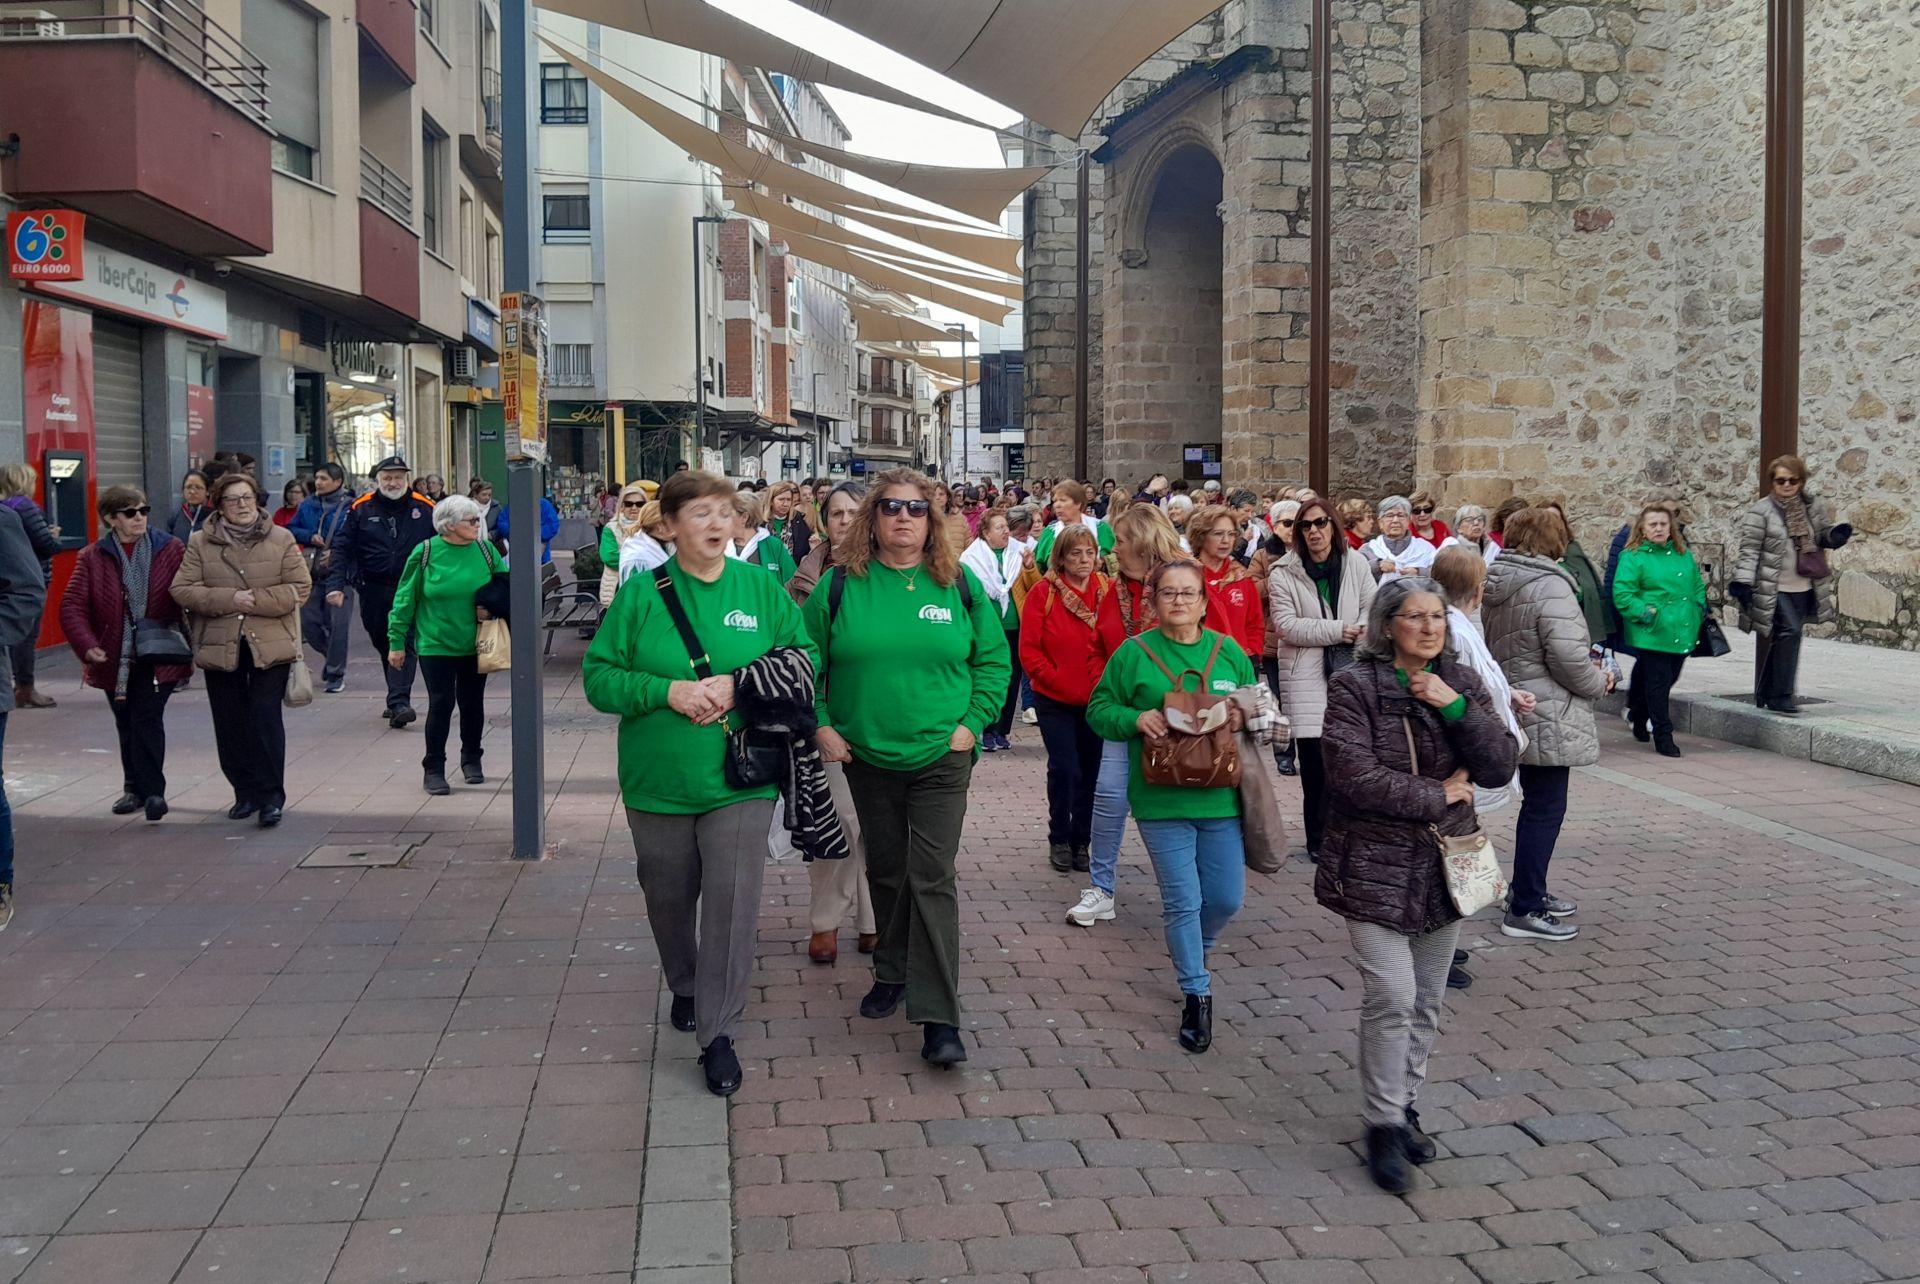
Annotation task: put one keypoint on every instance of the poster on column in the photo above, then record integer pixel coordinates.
(57, 370)
(200, 425)
(523, 383)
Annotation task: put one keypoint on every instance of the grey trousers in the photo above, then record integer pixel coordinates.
(1406, 988)
(711, 864)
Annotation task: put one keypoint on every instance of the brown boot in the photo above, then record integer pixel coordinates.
(869, 941)
(824, 947)
(28, 698)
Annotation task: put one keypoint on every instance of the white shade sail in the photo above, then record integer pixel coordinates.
(1054, 60)
(1001, 253)
(725, 153)
(878, 325)
(1012, 291)
(931, 361)
(694, 24)
(841, 259)
(778, 214)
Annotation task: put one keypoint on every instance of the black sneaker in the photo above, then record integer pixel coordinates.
(881, 1000)
(722, 1067)
(1459, 957)
(126, 804)
(471, 773)
(1082, 859)
(336, 685)
(941, 1046)
(1196, 1023)
(1420, 1147)
(1387, 1159)
(400, 717)
(681, 1014)
(156, 807)
(1458, 978)
(1060, 856)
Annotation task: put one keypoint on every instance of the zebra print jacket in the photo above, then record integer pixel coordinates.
(775, 693)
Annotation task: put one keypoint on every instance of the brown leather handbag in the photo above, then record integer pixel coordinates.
(1200, 750)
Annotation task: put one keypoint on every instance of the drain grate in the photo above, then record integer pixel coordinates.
(358, 856)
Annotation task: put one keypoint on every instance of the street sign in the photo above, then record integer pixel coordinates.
(859, 468)
(789, 461)
(523, 375)
(46, 245)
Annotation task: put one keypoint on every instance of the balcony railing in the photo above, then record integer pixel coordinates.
(178, 31)
(385, 188)
(490, 112)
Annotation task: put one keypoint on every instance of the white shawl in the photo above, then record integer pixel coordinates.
(641, 552)
(995, 571)
(1472, 651)
(745, 551)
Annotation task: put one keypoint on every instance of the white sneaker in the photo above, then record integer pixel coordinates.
(1030, 716)
(1095, 906)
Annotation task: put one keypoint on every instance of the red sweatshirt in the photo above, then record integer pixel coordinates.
(1440, 532)
(1233, 607)
(1063, 655)
(1139, 608)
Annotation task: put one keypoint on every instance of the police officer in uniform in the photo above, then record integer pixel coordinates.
(381, 529)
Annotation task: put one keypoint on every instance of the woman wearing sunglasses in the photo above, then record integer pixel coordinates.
(127, 576)
(1782, 579)
(914, 666)
(1192, 834)
(1425, 524)
(1318, 595)
(628, 520)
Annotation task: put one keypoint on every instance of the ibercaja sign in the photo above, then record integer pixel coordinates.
(45, 245)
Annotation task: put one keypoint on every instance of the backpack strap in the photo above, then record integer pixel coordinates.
(1158, 663)
(835, 591)
(1213, 655)
(663, 580)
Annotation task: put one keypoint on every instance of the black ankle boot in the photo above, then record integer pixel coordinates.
(1664, 746)
(941, 1046)
(1420, 1147)
(1196, 1023)
(722, 1067)
(435, 781)
(1387, 1159)
(470, 769)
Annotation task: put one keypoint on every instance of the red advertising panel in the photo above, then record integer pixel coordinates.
(199, 425)
(46, 245)
(57, 362)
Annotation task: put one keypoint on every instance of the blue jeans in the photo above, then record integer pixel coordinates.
(6, 812)
(1109, 815)
(1543, 809)
(1203, 879)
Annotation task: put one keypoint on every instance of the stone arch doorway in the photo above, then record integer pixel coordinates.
(1164, 353)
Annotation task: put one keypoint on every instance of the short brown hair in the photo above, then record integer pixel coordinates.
(216, 493)
(682, 489)
(1460, 570)
(1205, 520)
(1076, 491)
(1536, 532)
(1069, 538)
(1423, 497)
(1637, 536)
(1508, 507)
(115, 499)
(1792, 463)
(1352, 511)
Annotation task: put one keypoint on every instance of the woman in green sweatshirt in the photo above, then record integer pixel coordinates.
(1662, 601)
(700, 845)
(1192, 835)
(915, 666)
(438, 600)
(757, 545)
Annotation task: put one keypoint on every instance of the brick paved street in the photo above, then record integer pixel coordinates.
(215, 1065)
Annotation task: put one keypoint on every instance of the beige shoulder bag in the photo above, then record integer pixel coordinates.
(1472, 867)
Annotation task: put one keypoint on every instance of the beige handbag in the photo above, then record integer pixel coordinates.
(299, 684)
(492, 645)
(1471, 866)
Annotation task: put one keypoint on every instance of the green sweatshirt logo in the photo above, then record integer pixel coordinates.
(742, 621)
(936, 614)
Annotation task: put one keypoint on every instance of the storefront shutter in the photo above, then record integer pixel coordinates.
(118, 453)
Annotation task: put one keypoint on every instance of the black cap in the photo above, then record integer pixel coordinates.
(391, 461)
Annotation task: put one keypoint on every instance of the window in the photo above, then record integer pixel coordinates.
(427, 19)
(569, 220)
(572, 365)
(490, 285)
(794, 311)
(286, 38)
(466, 239)
(563, 95)
(433, 187)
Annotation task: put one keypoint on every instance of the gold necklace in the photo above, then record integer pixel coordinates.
(911, 578)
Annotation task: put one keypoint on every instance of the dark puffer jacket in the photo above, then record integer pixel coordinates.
(1379, 861)
(94, 605)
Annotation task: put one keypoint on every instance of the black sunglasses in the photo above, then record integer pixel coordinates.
(1315, 523)
(911, 507)
(141, 511)
(633, 503)
(1422, 512)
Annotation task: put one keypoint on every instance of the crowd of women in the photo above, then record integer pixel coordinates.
(822, 664)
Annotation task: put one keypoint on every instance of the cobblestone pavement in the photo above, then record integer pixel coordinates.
(217, 1066)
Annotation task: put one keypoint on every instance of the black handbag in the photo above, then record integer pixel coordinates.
(156, 640)
(1712, 642)
(754, 757)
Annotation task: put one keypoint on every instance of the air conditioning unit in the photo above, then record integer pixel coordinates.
(38, 25)
(463, 365)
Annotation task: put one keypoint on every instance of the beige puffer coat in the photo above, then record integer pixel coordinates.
(1766, 551)
(1537, 632)
(215, 568)
(1305, 629)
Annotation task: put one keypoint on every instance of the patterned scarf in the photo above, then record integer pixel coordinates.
(1794, 513)
(134, 572)
(1131, 625)
(1087, 612)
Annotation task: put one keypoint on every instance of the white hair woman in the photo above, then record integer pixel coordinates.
(443, 594)
(1397, 550)
(1470, 523)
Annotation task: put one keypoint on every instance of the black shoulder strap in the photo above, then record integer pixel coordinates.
(966, 591)
(663, 580)
(835, 591)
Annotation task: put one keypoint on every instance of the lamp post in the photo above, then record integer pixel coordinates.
(700, 330)
(819, 433)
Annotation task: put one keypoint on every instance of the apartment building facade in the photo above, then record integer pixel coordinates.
(292, 243)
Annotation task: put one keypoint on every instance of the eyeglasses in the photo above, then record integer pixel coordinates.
(1786, 481)
(1423, 512)
(1315, 523)
(1179, 595)
(1435, 621)
(241, 498)
(911, 507)
(465, 520)
(633, 503)
(141, 511)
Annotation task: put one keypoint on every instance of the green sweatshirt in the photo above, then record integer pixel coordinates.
(770, 554)
(1134, 684)
(667, 764)
(435, 595)
(1103, 537)
(1661, 598)
(905, 667)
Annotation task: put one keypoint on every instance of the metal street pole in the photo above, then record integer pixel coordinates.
(966, 439)
(819, 442)
(523, 476)
(1781, 264)
(1320, 246)
(1082, 358)
(700, 331)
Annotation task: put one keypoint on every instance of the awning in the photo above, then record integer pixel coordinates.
(778, 214)
(841, 259)
(878, 325)
(1001, 253)
(1011, 291)
(932, 361)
